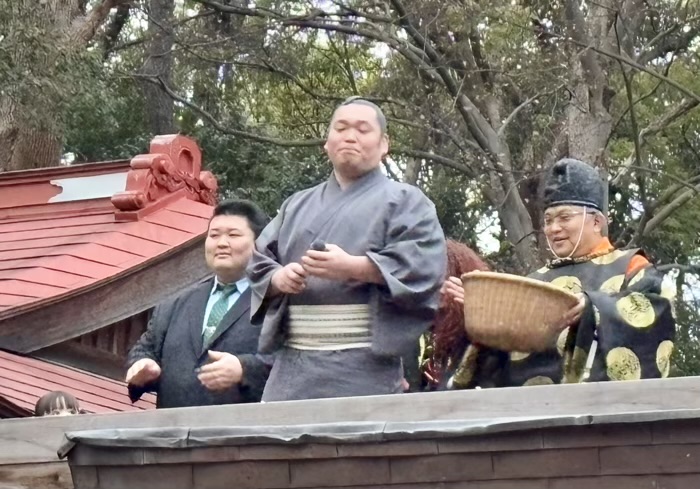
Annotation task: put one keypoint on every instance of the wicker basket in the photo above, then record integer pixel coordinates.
(513, 313)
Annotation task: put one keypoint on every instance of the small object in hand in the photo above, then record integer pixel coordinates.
(319, 245)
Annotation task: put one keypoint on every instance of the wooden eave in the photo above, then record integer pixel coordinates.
(80, 311)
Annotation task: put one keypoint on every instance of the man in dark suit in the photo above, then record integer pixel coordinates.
(200, 348)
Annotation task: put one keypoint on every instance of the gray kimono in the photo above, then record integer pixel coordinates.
(393, 224)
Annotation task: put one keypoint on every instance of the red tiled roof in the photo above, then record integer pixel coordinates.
(66, 230)
(24, 380)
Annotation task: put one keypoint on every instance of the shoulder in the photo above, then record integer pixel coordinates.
(188, 294)
(304, 194)
(406, 196)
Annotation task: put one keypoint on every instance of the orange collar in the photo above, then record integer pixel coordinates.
(603, 248)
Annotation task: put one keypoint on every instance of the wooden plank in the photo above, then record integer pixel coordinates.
(107, 303)
(85, 357)
(36, 440)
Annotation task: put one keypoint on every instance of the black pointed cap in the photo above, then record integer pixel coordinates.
(573, 182)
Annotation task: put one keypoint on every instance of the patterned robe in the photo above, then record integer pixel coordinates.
(629, 316)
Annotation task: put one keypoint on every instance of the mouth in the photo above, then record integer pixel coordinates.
(222, 255)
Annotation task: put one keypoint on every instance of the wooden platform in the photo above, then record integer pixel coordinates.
(659, 449)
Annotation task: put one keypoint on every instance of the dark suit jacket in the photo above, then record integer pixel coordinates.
(174, 340)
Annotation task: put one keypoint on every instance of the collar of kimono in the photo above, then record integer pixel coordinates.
(603, 248)
(366, 177)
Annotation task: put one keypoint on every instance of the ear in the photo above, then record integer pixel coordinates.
(385, 145)
(325, 146)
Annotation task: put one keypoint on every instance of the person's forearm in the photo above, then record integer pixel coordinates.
(364, 270)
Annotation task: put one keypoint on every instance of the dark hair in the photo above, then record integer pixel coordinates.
(257, 219)
(56, 400)
(357, 100)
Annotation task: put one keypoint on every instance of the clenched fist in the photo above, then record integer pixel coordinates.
(290, 279)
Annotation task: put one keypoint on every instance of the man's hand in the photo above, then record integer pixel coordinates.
(224, 371)
(332, 264)
(573, 315)
(452, 289)
(290, 279)
(143, 372)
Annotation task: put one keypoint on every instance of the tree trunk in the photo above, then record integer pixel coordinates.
(38, 39)
(413, 167)
(23, 145)
(159, 64)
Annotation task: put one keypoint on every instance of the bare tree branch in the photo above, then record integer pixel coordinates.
(85, 27)
(690, 268)
(519, 108)
(430, 156)
(114, 28)
(664, 121)
(219, 127)
(636, 65)
(293, 143)
(667, 211)
(641, 181)
(476, 122)
(147, 37)
(665, 42)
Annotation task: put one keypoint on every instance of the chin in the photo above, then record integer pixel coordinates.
(561, 251)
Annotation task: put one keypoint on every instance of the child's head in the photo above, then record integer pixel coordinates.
(57, 403)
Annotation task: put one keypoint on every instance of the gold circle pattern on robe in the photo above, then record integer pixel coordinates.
(613, 284)
(569, 283)
(517, 356)
(539, 380)
(609, 258)
(623, 364)
(668, 292)
(637, 277)
(663, 357)
(561, 341)
(575, 367)
(636, 310)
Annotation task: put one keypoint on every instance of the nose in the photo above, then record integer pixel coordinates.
(222, 242)
(350, 135)
(555, 226)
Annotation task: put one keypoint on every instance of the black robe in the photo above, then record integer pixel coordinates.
(630, 318)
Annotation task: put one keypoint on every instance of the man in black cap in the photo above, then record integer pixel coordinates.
(623, 326)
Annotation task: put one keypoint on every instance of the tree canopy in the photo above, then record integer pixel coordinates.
(481, 97)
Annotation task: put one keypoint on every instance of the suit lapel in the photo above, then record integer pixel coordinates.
(200, 297)
(241, 306)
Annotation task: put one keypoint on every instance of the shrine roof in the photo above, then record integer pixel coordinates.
(68, 230)
(24, 380)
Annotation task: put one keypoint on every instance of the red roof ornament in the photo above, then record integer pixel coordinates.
(172, 169)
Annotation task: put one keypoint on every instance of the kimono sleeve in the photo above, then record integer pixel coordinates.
(413, 263)
(634, 329)
(265, 262)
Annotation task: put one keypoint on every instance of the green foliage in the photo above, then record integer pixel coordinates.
(282, 82)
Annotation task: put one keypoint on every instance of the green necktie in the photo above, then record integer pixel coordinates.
(218, 311)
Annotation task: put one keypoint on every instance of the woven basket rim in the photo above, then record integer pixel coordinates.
(516, 279)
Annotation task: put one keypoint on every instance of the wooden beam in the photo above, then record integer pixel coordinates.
(36, 440)
(106, 304)
(85, 358)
